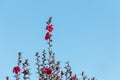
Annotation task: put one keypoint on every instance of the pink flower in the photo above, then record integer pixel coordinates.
(48, 71)
(16, 69)
(49, 28)
(48, 36)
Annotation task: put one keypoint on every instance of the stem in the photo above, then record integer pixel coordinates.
(7, 78)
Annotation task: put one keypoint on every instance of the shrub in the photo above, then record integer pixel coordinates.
(47, 66)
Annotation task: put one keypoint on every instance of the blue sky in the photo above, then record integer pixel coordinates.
(87, 33)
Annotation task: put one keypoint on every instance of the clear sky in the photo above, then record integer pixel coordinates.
(87, 33)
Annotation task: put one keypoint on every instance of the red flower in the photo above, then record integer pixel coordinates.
(26, 72)
(48, 71)
(48, 36)
(16, 69)
(73, 78)
(49, 28)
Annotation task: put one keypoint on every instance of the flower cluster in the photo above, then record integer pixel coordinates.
(21, 68)
(49, 28)
(17, 68)
(47, 67)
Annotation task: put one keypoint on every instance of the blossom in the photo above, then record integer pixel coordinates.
(16, 69)
(17, 78)
(62, 73)
(73, 78)
(19, 60)
(57, 68)
(48, 36)
(48, 71)
(49, 28)
(26, 72)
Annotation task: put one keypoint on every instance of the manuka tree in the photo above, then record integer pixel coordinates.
(47, 67)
